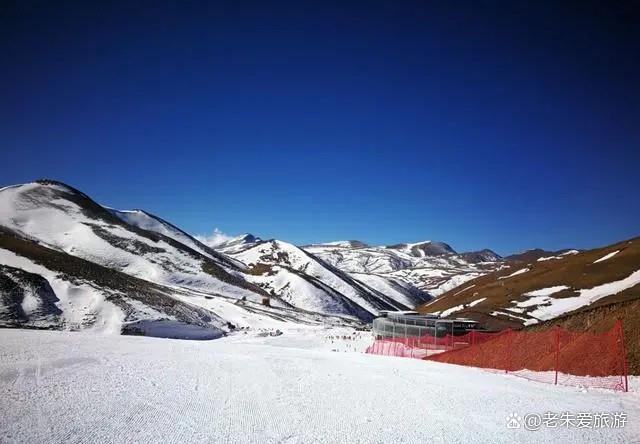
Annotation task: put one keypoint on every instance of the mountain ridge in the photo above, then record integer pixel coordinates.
(165, 279)
(143, 246)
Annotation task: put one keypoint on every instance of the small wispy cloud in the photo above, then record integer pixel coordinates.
(214, 239)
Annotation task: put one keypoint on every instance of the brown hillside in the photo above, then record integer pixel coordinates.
(576, 271)
(602, 318)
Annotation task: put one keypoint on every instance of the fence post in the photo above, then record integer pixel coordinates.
(509, 347)
(624, 354)
(557, 351)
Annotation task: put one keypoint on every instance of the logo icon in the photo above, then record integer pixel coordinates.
(513, 421)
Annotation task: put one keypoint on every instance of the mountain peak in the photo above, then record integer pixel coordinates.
(347, 244)
(246, 238)
(484, 255)
(424, 248)
(237, 244)
(61, 186)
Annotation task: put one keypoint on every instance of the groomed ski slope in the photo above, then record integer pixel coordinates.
(80, 387)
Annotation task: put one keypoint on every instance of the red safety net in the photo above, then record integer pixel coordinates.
(556, 356)
(421, 346)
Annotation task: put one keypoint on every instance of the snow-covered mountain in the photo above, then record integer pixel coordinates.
(431, 266)
(238, 244)
(68, 262)
(62, 218)
(302, 279)
(49, 289)
(423, 249)
(150, 222)
(291, 275)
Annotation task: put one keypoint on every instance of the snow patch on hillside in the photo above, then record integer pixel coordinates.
(549, 308)
(607, 256)
(450, 311)
(546, 291)
(476, 302)
(515, 273)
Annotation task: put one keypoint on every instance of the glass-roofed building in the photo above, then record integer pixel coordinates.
(391, 324)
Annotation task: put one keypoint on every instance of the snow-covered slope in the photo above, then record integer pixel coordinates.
(150, 222)
(59, 387)
(295, 277)
(305, 281)
(136, 270)
(45, 288)
(64, 219)
(423, 249)
(238, 244)
(431, 266)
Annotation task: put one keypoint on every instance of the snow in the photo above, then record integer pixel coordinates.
(510, 315)
(389, 287)
(327, 289)
(515, 273)
(294, 289)
(516, 310)
(532, 302)
(62, 387)
(546, 291)
(343, 244)
(408, 247)
(453, 282)
(548, 258)
(78, 301)
(476, 302)
(434, 274)
(607, 256)
(230, 246)
(30, 303)
(146, 221)
(452, 310)
(549, 308)
(570, 253)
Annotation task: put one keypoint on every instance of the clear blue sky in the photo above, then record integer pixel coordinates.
(482, 124)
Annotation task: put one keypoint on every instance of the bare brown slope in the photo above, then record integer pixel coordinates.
(602, 318)
(575, 271)
(533, 255)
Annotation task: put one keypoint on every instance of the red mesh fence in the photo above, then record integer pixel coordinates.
(556, 356)
(421, 346)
